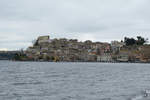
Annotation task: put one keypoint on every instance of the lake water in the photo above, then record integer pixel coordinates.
(73, 81)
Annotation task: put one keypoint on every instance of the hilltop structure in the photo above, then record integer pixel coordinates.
(68, 50)
(72, 50)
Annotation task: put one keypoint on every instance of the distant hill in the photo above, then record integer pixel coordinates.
(7, 55)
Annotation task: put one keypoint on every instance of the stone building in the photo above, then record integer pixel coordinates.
(116, 46)
(43, 39)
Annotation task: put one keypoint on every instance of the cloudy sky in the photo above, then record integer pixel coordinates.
(22, 21)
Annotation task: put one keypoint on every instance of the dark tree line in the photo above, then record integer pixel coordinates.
(131, 41)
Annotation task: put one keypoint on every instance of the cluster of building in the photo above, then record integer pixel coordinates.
(71, 50)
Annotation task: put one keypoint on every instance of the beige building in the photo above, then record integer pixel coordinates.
(123, 56)
(43, 39)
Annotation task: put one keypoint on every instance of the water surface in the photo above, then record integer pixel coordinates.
(73, 81)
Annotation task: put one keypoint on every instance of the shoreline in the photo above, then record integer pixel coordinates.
(77, 62)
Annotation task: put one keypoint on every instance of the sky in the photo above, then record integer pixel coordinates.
(22, 21)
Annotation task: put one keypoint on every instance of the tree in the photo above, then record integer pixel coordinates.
(129, 41)
(141, 40)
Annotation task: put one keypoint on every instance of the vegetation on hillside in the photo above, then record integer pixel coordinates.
(131, 41)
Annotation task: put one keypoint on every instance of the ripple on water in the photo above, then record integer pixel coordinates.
(82, 81)
(28, 83)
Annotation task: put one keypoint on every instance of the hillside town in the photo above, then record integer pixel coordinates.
(72, 50)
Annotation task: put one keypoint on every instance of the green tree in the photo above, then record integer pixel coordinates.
(129, 41)
(141, 40)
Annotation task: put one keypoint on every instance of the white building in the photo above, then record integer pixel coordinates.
(106, 57)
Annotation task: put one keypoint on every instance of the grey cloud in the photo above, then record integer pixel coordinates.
(102, 20)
